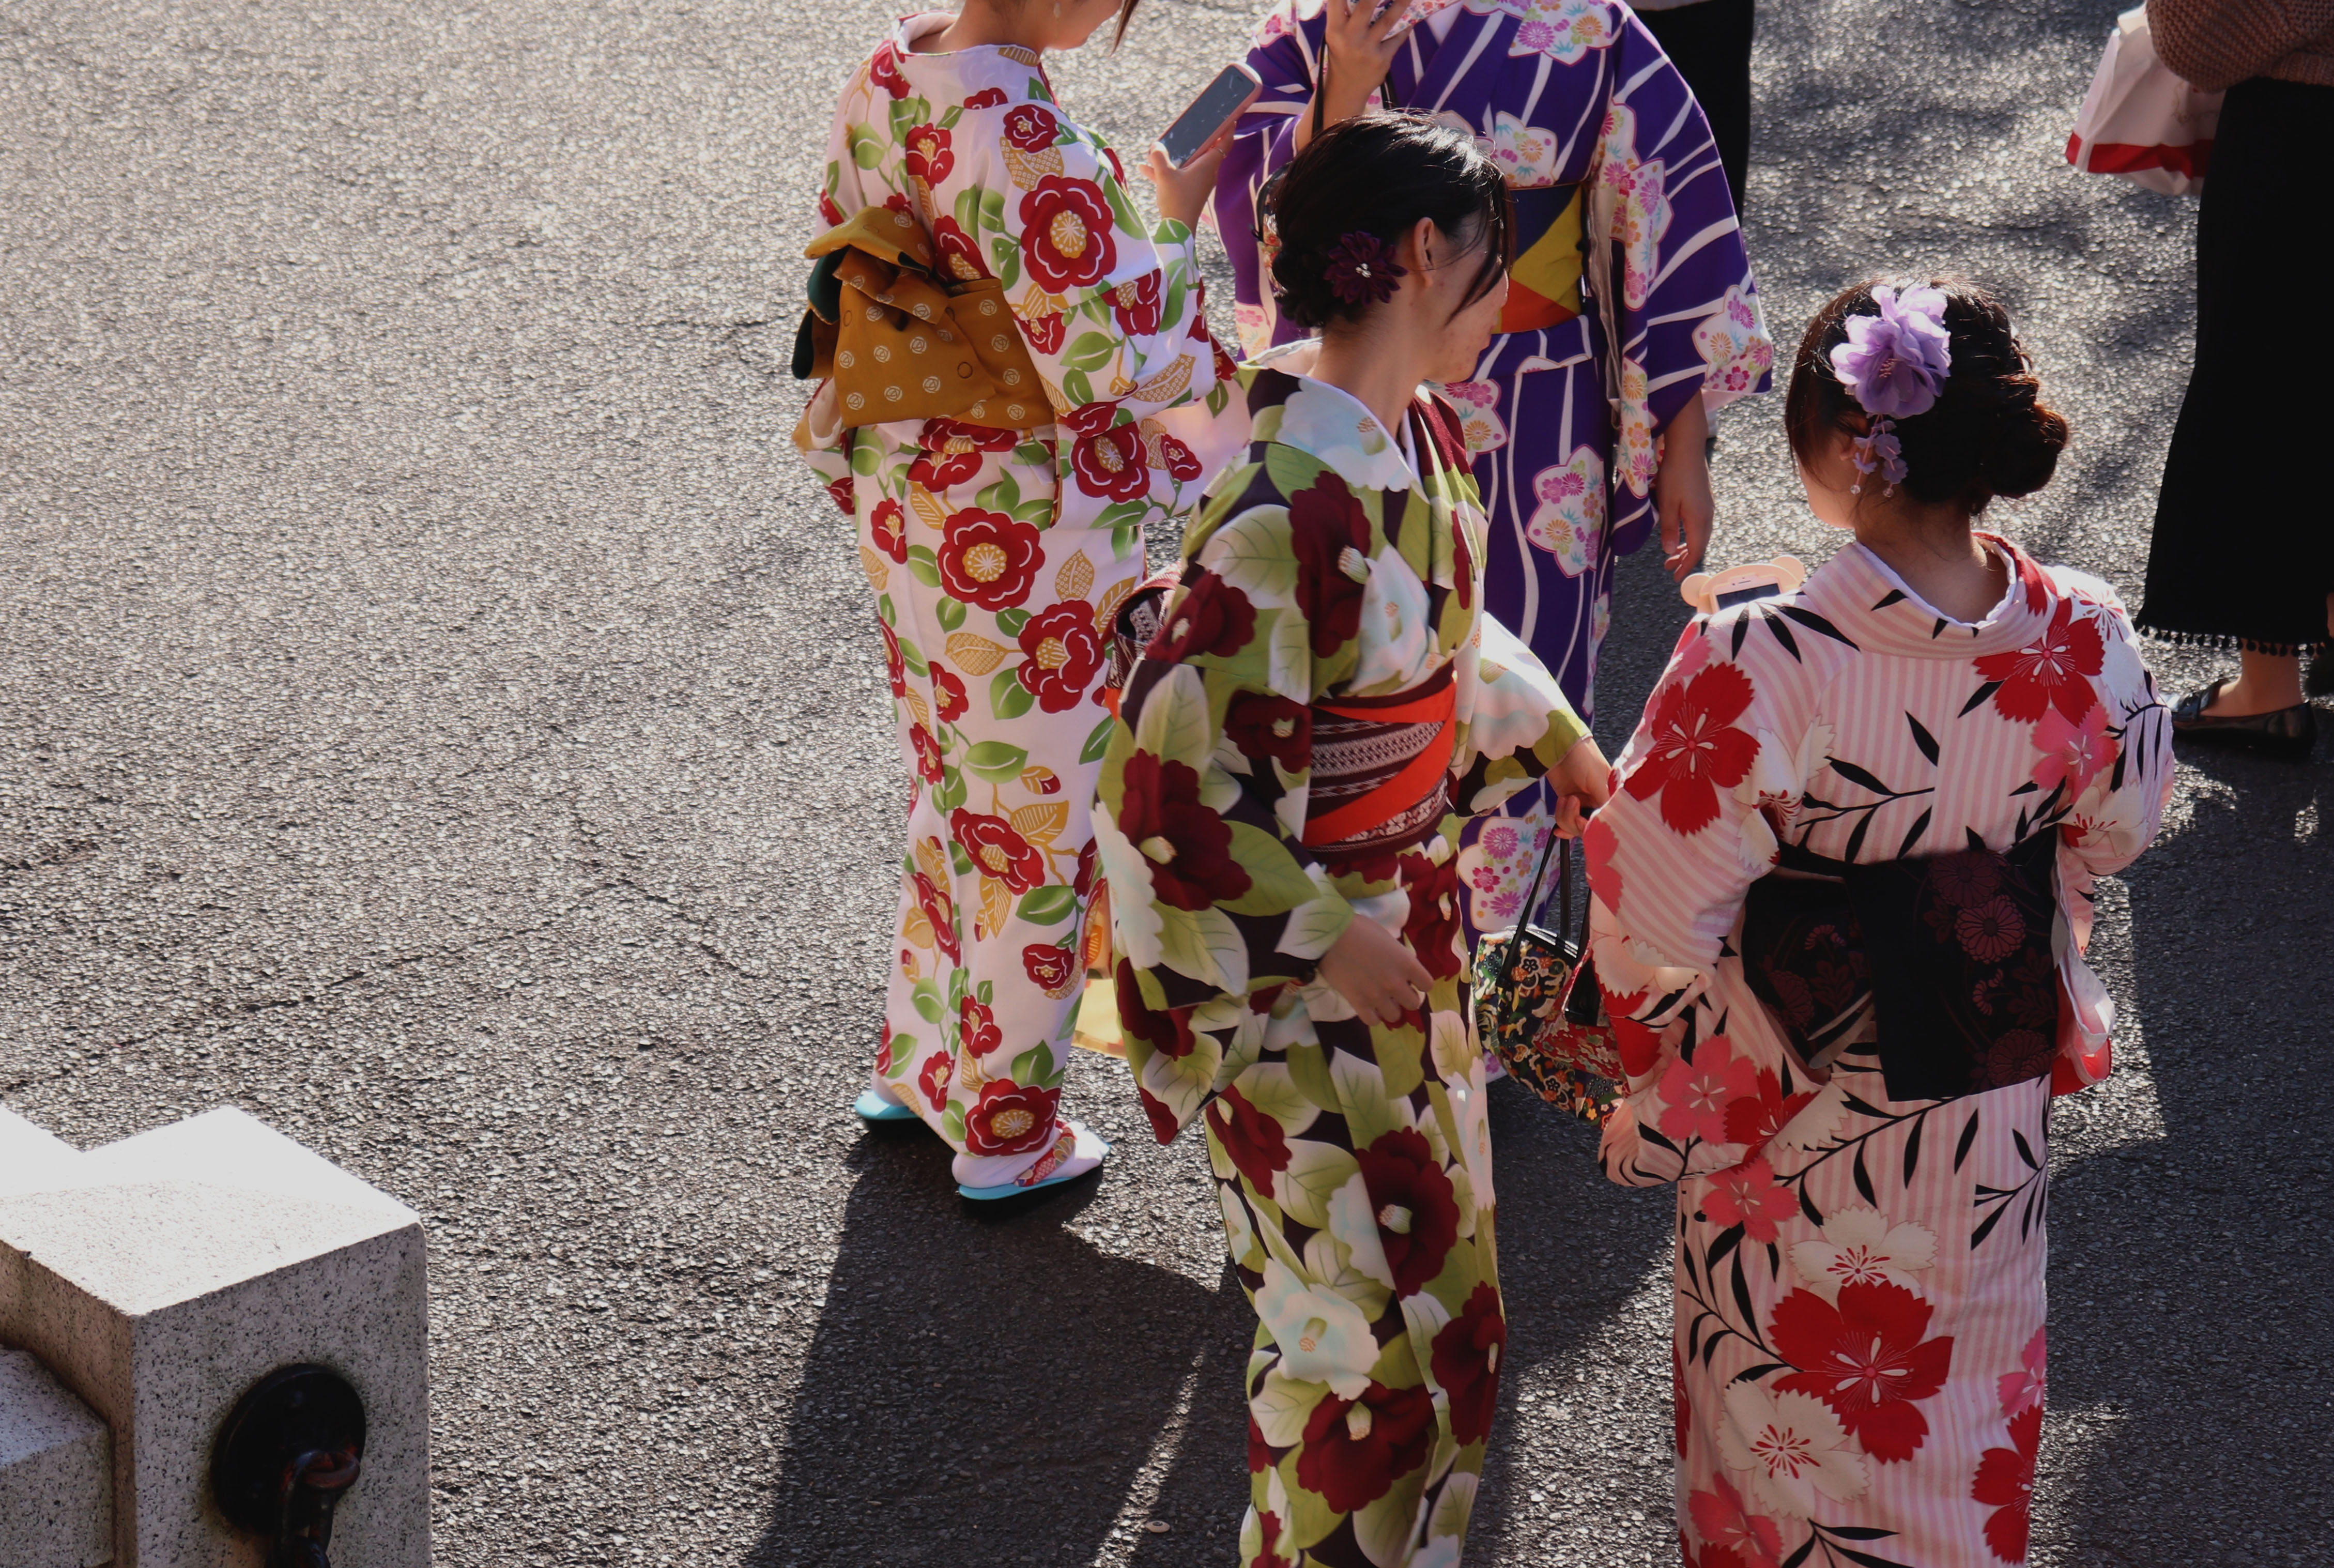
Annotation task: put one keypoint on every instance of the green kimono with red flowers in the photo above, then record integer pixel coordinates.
(1323, 708)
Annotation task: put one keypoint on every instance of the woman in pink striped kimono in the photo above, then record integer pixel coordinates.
(1842, 893)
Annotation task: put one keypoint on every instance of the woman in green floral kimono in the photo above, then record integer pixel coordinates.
(997, 554)
(1323, 706)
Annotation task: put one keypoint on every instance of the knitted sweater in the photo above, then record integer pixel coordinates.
(2217, 44)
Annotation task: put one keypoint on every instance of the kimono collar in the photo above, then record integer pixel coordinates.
(1860, 595)
(959, 74)
(1289, 406)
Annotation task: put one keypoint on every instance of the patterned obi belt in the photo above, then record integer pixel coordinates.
(1543, 282)
(1951, 955)
(1381, 778)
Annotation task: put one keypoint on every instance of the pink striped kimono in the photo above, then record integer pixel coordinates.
(1859, 1346)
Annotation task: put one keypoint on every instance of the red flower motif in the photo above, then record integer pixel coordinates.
(939, 910)
(1259, 1460)
(1117, 170)
(2005, 1481)
(928, 753)
(898, 202)
(1270, 726)
(1355, 1449)
(830, 213)
(1754, 1118)
(1029, 128)
(1639, 1046)
(935, 1079)
(953, 452)
(1466, 1362)
(843, 492)
(1061, 654)
(1990, 932)
(1163, 1120)
(1188, 846)
(975, 1027)
(1329, 533)
(2049, 673)
(1010, 1119)
(893, 665)
(988, 559)
(1598, 845)
(1212, 618)
(986, 98)
(1418, 1215)
(1182, 464)
(1268, 1525)
(888, 525)
(1253, 1140)
(1066, 240)
(998, 851)
(1866, 1360)
(1746, 1195)
(949, 703)
(1696, 1094)
(1110, 463)
(1138, 304)
(883, 70)
(1045, 333)
(1086, 880)
(1432, 927)
(1726, 1525)
(928, 158)
(1052, 970)
(1227, 367)
(883, 1052)
(1167, 1031)
(957, 251)
(1696, 752)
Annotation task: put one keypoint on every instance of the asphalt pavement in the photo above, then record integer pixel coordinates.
(438, 715)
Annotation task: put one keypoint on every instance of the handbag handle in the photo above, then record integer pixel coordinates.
(1531, 904)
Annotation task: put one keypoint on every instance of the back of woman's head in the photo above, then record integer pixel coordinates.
(1376, 176)
(1986, 435)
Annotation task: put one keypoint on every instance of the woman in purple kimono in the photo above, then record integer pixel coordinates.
(1630, 294)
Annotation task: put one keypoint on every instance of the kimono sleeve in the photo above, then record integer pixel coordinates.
(1282, 54)
(1114, 312)
(1519, 723)
(1681, 312)
(1216, 903)
(1671, 858)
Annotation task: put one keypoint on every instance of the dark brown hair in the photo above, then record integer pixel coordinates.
(1381, 173)
(1987, 434)
(1125, 16)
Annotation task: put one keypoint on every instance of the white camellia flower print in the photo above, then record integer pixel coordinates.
(1793, 1446)
(1859, 1244)
(1323, 1337)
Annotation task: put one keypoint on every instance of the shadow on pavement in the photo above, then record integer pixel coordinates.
(2201, 1355)
(990, 1389)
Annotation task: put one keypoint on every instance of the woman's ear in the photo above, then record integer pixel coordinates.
(1422, 250)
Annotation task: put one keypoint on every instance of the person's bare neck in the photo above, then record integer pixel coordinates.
(977, 25)
(1381, 370)
(1934, 550)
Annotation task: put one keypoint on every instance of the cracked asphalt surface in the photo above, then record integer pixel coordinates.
(437, 714)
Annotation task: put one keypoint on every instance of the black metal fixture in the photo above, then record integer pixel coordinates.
(287, 1454)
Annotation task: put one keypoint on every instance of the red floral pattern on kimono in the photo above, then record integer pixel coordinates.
(1860, 1345)
(996, 557)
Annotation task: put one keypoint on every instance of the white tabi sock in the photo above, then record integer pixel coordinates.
(1074, 1150)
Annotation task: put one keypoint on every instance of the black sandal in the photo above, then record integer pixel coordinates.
(2290, 733)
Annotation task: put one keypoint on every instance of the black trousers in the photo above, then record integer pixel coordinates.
(1710, 43)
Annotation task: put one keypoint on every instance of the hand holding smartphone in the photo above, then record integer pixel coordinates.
(1207, 122)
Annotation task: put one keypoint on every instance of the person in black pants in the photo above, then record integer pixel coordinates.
(1708, 42)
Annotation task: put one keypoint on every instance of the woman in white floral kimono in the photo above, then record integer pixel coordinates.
(997, 554)
(1841, 896)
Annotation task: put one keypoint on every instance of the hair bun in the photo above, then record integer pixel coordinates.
(2027, 441)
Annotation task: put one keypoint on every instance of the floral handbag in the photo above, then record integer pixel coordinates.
(1537, 1004)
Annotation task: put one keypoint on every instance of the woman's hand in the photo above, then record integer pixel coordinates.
(1359, 50)
(1184, 192)
(1682, 495)
(1581, 781)
(1377, 974)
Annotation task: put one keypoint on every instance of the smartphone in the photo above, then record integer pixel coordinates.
(1208, 119)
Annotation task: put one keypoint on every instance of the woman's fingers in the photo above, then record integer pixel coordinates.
(1382, 29)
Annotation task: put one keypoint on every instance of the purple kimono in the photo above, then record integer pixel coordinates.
(1625, 237)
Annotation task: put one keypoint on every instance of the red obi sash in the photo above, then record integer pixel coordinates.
(1381, 777)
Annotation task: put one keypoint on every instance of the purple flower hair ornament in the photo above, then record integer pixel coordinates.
(1361, 268)
(1894, 364)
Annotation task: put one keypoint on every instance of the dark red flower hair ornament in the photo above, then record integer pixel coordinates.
(1361, 268)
